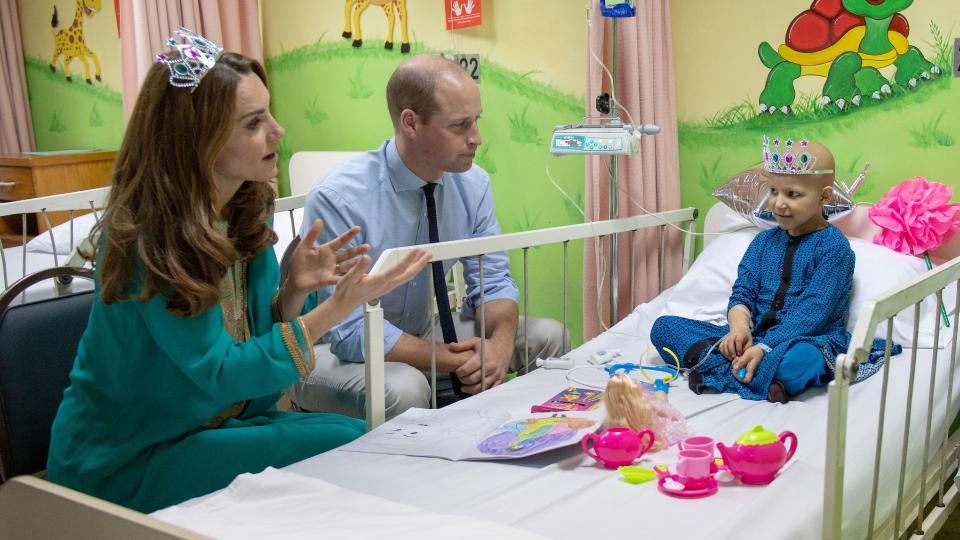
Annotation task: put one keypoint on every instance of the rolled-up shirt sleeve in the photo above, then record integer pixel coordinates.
(497, 283)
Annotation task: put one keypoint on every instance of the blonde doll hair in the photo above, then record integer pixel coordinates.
(627, 404)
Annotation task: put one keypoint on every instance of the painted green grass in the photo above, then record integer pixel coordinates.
(931, 134)
(485, 158)
(358, 87)
(313, 113)
(941, 47)
(72, 115)
(808, 108)
(56, 126)
(493, 74)
(95, 118)
(522, 131)
(524, 197)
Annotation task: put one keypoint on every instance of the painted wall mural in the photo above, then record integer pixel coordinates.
(869, 78)
(846, 42)
(330, 95)
(72, 63)
(353, 10)
(70, 42)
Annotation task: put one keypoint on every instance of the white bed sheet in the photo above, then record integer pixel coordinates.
(562, 494)
(283, 504)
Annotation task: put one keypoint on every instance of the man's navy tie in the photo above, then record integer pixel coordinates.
(439, 282)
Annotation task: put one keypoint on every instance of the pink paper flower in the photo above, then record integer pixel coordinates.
(915, 216)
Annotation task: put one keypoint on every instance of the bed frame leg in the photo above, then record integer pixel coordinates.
(373, 344)
(837, 392)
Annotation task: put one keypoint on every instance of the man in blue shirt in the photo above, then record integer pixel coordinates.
(434, 106)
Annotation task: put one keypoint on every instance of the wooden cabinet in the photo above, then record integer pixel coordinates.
(23, 176)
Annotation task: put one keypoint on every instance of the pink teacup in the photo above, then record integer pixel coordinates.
(618, 446)
(693, 468)
(698, 442)
(701, 442)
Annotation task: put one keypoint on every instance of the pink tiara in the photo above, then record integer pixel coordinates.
(790, 161)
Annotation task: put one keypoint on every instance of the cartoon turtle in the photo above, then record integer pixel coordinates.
(845, 41)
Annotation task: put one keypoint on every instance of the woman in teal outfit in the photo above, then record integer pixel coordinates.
(191, 336)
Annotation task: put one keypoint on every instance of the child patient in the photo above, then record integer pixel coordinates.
(790, 300)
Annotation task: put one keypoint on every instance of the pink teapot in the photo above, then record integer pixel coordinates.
(617, 446)
(758, 455)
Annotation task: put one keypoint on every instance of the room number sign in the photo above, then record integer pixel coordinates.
(470, 63)
(956, 57)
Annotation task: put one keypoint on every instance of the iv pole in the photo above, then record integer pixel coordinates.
(566, 142)
(614, 206)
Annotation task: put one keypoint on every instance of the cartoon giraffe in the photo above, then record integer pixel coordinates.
(387, 6)
(71, 43)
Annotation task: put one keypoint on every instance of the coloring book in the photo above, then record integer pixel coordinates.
(571, 399)
(458, 434)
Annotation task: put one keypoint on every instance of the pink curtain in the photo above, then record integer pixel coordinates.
(16, 127)
(645, 88)
(146, 24)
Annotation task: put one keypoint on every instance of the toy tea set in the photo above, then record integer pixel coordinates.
(639, 418)
(755, 458)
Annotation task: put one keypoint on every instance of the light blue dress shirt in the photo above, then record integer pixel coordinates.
(380, 194)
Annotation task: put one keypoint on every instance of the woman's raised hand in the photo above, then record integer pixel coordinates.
(313, 267)
(357, 287)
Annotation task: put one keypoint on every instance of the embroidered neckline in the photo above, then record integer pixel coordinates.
(233, 305)
(233, 294)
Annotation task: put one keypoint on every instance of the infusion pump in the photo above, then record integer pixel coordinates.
(613, 138)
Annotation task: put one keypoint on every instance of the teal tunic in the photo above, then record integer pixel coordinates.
(162, 408)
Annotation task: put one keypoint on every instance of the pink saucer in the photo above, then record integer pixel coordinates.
(684, 492)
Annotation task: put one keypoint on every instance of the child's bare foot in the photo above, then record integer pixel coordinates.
(776, 393)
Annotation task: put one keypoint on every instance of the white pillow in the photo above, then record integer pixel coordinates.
(879, 269)
(281, 225)
(704, 291)
(61, 236)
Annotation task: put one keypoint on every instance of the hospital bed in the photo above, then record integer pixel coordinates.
(56, 246)
(59, 245)
(875, 459)
(834, 487)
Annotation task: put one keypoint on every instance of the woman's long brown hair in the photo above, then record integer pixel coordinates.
(159, 216)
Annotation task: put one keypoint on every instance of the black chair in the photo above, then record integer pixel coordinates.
(38, 344)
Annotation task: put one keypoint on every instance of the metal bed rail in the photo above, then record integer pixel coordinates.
(683, 219)
(919, 509)
(91, 199)
(288, 205)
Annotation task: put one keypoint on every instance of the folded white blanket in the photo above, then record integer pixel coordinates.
(281, 504)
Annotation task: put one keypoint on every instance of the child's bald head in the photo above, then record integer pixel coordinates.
(823, 161)
(797, 200)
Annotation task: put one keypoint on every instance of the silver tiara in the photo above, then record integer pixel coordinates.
(790, 160)
(197, 56)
